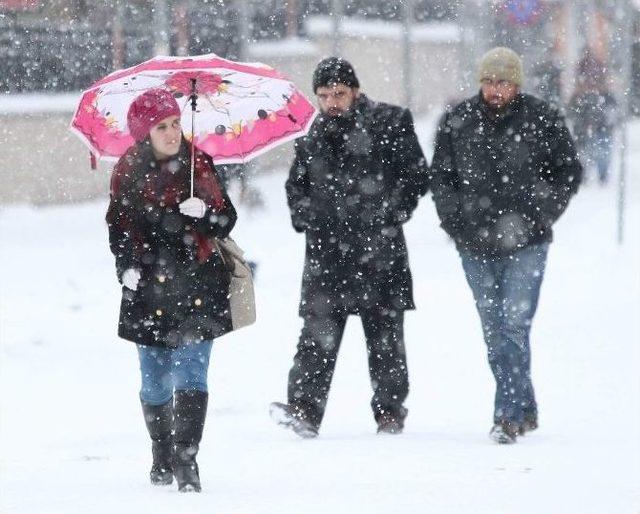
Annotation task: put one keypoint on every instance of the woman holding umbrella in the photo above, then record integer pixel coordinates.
(175, 286)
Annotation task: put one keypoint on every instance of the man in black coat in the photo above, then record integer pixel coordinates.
(593, 110)
(503, 172)
(355, 180)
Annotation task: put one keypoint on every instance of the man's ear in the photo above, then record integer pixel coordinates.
(356, 92)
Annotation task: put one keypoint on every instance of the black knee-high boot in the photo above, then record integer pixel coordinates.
(190, 411)
(159, 420)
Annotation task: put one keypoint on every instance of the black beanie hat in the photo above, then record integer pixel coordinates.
(334, 70)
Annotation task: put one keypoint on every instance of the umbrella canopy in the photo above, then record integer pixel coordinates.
(241, 109)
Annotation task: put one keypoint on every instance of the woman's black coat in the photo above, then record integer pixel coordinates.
(182, 294)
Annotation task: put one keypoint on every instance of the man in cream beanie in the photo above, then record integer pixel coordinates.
(501, 63)
(500, 75)
(503, 172)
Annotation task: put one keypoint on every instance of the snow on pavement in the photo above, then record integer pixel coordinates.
(72, 438)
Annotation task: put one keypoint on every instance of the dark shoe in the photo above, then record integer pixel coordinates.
(391, 421)
(529, 424)
(159, 421)
(289, 416)
(504, 432)
(390, 426)
(190, 412)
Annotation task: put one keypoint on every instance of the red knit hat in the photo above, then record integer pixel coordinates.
(149, 109)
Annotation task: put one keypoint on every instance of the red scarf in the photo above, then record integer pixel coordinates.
(168, 187)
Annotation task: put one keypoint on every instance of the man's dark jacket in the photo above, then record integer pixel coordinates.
(354, 181)
(500, 181)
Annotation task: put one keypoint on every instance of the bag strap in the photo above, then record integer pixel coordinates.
(216, 244)
(230, 247)
(232, 257)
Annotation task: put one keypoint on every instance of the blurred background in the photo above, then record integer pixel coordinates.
(419, 53)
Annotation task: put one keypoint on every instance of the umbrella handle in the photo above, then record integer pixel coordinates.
(194, 98)
(193, 150)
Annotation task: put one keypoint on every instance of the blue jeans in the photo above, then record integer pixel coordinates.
(506, 291)
(163, 370)
(597, 152)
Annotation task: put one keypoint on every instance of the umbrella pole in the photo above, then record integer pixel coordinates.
(194, 98)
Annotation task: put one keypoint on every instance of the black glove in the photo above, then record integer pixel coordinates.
(299, 221)
(299, 225)
(474, 239)
(451, 225)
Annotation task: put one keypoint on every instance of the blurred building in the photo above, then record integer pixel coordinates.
(421, 53)
(65, 45)
(553, 36)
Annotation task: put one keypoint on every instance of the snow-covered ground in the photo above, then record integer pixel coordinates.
(72, 438)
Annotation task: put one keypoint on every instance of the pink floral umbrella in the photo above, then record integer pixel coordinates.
(241, 109)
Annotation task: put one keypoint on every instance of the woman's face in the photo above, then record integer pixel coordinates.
(165, 137)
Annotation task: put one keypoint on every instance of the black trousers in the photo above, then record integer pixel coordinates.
(315, 360)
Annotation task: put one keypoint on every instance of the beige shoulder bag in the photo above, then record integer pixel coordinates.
(242, 302)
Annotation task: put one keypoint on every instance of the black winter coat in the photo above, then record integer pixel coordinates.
(354, 181)
(593, 114)
(182, 294)
(499, 183)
